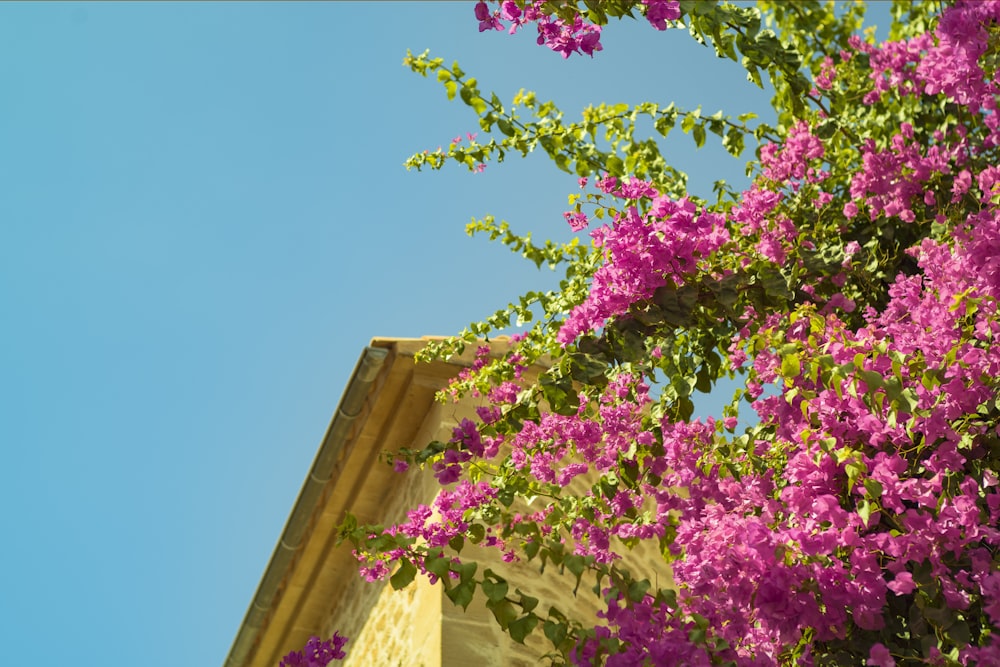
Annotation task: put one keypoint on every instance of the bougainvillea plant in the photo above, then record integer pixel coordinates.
(317, 652)
(852, 292)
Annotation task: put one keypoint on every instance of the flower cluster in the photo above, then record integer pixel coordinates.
(855, 285)
(317, 652)
(562, 36)
(658, 12)
(644, 250)
(566, 38)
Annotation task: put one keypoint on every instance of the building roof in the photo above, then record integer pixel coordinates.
(383, 408)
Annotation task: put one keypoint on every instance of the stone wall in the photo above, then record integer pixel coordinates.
(387, 627)
(420, 627)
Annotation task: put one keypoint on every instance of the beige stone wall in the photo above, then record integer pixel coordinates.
(420, 627)
(473, 637)
(397, 628)
(387, 627)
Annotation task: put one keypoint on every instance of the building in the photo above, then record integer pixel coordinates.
(311, 586)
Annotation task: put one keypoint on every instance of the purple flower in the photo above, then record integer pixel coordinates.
(294, 659)
(902, 584)
(775, 598)
(509, 11)
(658, 12)
(879, 657)
(317, 653)
(487, 21)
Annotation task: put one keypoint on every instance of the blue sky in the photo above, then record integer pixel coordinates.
(204, 219)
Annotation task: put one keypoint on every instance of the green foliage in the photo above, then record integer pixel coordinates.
(681, 335)
(604, 140)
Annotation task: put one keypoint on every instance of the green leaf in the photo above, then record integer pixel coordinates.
(685, 408)
(462, 593)
(494, 587)
(466, 571)
(637, 590)
(664, 124)
(559, 393)
(504, 611)
(575, 564)
(959, 633)
(733, 141)
(942, 617)
(404, 575)
(555, 632)
(774, 283)
(704, 380)
(688, 123)
(791, 366)
(615, 166)
(522, 627)
(864, 511)
(527, 602)
(698, 132)
(438, 564)
(872, 379)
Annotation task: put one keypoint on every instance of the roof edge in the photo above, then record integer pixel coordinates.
(363, 377)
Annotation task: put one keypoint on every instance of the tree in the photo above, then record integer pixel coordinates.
(852, 289)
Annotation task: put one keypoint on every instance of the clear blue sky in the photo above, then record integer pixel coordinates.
(204, 218)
